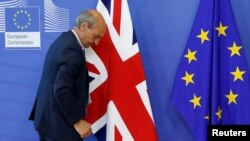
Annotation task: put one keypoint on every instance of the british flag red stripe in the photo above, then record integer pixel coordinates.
(117, 15)
(118, 92)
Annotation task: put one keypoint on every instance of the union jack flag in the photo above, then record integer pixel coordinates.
(119, 107)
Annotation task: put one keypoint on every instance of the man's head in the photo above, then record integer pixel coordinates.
(90, 26)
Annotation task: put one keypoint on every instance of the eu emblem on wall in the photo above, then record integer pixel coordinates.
(22, 28)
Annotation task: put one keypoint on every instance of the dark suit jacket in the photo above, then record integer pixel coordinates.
(63, 90)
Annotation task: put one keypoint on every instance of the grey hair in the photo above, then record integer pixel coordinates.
(85, 16)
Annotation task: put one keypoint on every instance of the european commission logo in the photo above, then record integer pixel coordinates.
(22, 28)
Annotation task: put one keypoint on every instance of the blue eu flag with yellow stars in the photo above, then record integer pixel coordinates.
(22, 19)
(212, 84)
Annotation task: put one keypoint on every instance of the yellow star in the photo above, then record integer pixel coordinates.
(231, 97)
(219, 113)
(235, 49)
(203, 36)
(190, 56)
(207, 117)
(188, 78)
(238, 74)
(221, 30)
(196, 101)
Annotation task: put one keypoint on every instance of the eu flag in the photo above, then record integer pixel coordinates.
(212, 84)
(22, 19)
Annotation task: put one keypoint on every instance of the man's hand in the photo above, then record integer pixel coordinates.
(83, 128)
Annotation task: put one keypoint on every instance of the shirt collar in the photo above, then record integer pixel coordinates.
(78, 39)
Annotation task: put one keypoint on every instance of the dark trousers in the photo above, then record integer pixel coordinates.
(43, 137)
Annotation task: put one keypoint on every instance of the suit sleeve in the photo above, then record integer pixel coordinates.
(69, 67)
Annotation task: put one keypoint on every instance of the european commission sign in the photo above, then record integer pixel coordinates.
(22, 28)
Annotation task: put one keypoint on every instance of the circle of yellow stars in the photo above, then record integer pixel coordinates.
(237, 74)
(19, 25)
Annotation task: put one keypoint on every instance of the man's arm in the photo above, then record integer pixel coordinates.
(83, 128)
